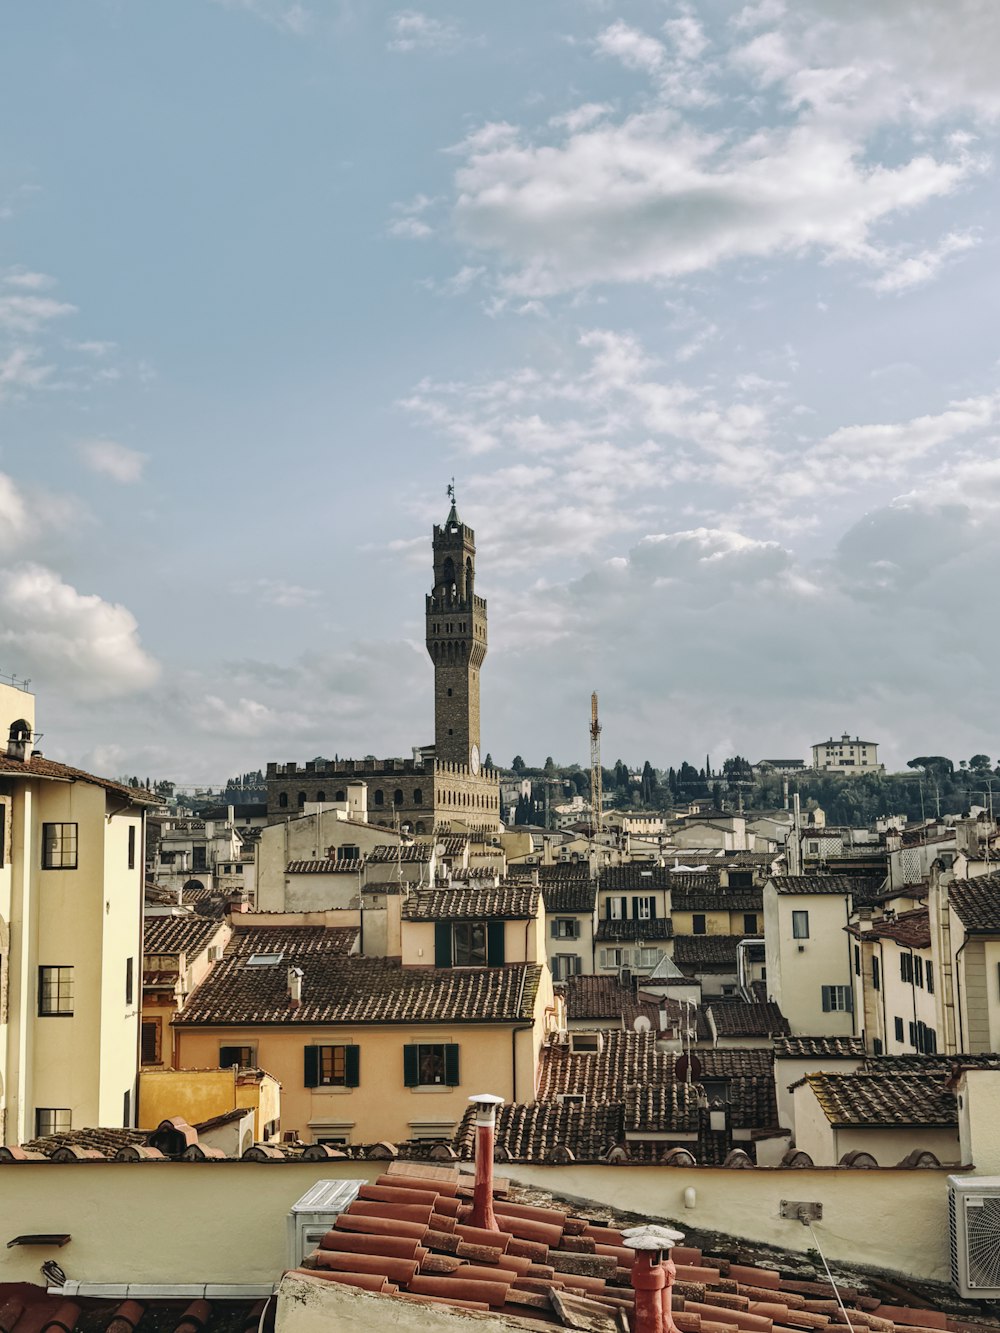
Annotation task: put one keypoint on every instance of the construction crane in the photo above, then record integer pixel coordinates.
(596, 792)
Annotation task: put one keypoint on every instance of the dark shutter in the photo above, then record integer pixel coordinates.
(311, 1066)
(554, 929)
(229, 1056)
(352, 1066)
(442, 944)
(635, 909)
(575, 932)
(494, 943)
(652, 909)
(411, 1066)
(827, 1000)
(607, 909)
(451, 1065)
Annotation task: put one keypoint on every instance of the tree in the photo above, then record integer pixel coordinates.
(932, 763)
(980, 763)
(517, 764)
(488, 761)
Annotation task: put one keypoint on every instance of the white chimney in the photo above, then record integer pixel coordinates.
(295, 975)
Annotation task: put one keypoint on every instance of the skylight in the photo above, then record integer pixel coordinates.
(264, 959)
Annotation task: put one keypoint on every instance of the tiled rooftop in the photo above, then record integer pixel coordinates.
(341, 989)
(570, 895)
(39, 767)
(720, 900)
(506, 902)
(876, 1099)
(410, 852)
(187, 933)
(598, 997)
(533, 1133)
(624, 1058)
(326, 865)
(910, 929)
(608, 931)
(977, 902)
(736, 1018)
(830, 1048)
(662, 1109)
(800, 884)
(706, 950)
(637, 875)
(554, 874)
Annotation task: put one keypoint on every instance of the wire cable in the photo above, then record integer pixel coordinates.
(829, 1275)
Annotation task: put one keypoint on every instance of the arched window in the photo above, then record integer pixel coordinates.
(321, 796)
(301, 799)
(339, 796)
(397, 796)
(19, 731)
(379, 796)
(468, 576)
(448, 572)
(283, 799)
(420, 826)
(418, 795)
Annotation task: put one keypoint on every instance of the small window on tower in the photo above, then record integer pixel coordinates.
(449, 691)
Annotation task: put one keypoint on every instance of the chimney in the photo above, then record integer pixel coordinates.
(482, 1199)
(652, 1277)
(295, 975)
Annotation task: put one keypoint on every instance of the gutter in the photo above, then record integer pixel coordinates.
(209, 1291)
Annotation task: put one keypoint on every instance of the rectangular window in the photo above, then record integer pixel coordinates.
(469, 944)
(150, 1041)
(644, 909)
(857, 961)
(918, 971)
(800, 925)
(913, 1034)
(698, 923)
(618, 909)
(566, 965)
(53, 1120)
(749, 923)
(131, 846)
(55, 992)
(332, 1066)
(929, 975)
(430, 1064)
(127, 1110)
(59, 850)
(648, 957)
(930, 1041)
(616, 957)
(565, 928)
(876, 1046)
(906, 967)
(129, 979)
(240, 1057)
(898, 1025)
(876, 975)
(837, 999)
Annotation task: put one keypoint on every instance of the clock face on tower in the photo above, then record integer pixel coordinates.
(474, 760)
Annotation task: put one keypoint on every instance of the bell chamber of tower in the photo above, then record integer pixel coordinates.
(456, 642)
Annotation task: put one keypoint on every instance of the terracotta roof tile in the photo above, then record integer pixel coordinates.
(660, 928)
(187, 933)
(408, 853)
(848, 884)
(885, 1099)
(39, 767)
(706, 950)
(736, 1018)
(830, 1048)
(719, 900)
(910, 929)
(977, 902)
(555, 874)
(509, 902)
(341, 989)
(326, 865)
(571, 895)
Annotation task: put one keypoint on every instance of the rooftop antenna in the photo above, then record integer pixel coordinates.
(596, 776)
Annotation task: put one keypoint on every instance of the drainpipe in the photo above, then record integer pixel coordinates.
(482, 1199)
(652, 1276)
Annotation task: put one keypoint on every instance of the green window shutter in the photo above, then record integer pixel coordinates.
(827, 998)
(553, 930)
(352, 1066)
(411, 1066)
(495, 943)
(451, 1065)
(442, 944)
(311, 1066)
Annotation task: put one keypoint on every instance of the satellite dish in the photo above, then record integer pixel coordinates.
(641, 1024)
(439, 849)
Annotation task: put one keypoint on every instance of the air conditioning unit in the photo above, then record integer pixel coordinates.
(314, 1215)
(215, 953)
(974, 1219)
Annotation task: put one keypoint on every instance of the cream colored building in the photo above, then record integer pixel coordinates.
(965, 950)
(895, 984)
(809, 958)
(71, 877)
(846, 755)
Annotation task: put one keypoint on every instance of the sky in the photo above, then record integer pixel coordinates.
(695, 301)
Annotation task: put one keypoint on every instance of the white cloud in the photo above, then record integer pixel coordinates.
(90, 648)
(244, 718)
(26, 280)
(410, 228)
(113, 460)
(28, 314)
(654, 197)
(21, 370)
(581, 117)
(912, 270)
(279, 593)
(293, 18)
(635, 49)
(412, 30)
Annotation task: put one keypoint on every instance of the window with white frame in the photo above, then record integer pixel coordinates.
(837, 999)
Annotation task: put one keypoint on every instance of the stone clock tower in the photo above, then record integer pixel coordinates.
(456, 641)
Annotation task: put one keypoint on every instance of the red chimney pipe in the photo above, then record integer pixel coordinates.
(653, 1277)
(482, 1198)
